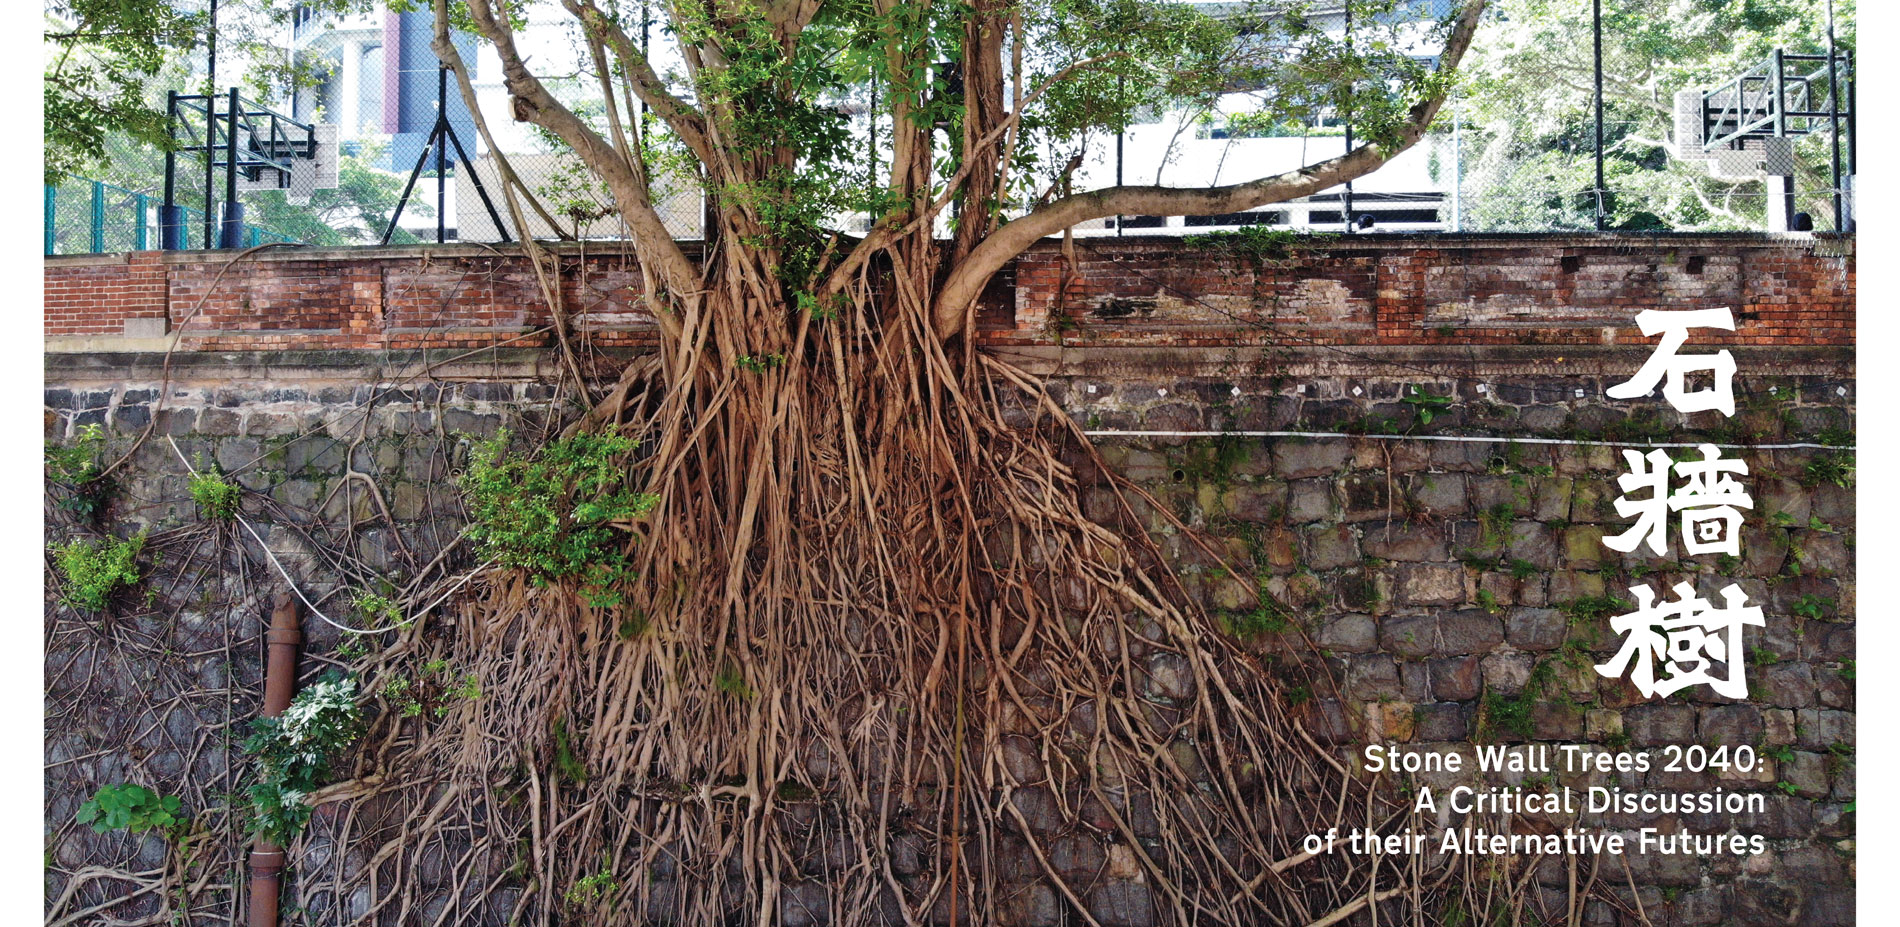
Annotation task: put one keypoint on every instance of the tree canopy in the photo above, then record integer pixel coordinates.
(1530, 96)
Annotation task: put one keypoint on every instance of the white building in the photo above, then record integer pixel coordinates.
(382, 95)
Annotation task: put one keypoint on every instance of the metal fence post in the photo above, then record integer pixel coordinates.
(1596, 28)
(52, 218)
(141, 202)
(98, 217)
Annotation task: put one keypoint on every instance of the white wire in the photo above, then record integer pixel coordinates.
(1473, 439)
(280, 567)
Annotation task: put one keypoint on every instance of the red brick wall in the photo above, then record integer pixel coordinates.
(1369, 291)
(94, 298)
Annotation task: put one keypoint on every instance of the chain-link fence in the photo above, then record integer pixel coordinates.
(94, 217)
(385, 148)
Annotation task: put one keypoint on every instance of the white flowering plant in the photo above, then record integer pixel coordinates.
(293, 751)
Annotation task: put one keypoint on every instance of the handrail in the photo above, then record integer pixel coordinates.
(1767, 99)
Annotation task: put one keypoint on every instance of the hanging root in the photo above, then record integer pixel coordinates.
(879, 667)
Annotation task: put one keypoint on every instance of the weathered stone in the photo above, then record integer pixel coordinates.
(1655, 724)
(1406, 542)
(1819, 729)
(1440, 494)
(1409, 636)
(1170, 676)
(805, 904)
(1507, 673)
(1457, 678)
(1371, 678)
(1415, 682)
(1534, 628)
(1309, 501)
(1469, 631)
(1122, 904)
(1032, 905)
(1443, 722)
(1293, 459)
(1390, 721)
(1431, 584)
(1532, 543)
(1077, 856)
(1329, 548)
(1349, 633)
(1787, 685)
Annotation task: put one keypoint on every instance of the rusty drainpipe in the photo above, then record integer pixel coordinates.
(280, 682)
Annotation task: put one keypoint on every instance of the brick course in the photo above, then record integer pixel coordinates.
(1385, 291)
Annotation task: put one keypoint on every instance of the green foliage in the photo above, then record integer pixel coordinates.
(1832, 467)
(567, 763)
(558, 513)
(78, 467)
(292, 753)
(1212, 460)
(400, 693)
(355, 212)
(216, 498)
(432, 689)
(1269, 617)
(133, 808)
(1425, 404)
(1258, 244)
(1489, 602)
(99, 54)
(1592, 610)
(1813, 607)
(593, 889)
(94, 570)
(378, 609)
(760, 364)
(1528, 119)
(1494, 525)
(730, 681)
(1512, 713)
(77, 462)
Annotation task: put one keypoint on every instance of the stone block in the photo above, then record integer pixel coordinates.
(1534, 628)
(1371, 678)
(1331, 547)
(1440, 494)
(1294, 459)
(1456, 679)
(1657, 723)
(1469, 631)
(1431, 584)
(1443, 722)
(1349, 633)
(1507, 673)
(1409, 636)
(1309, 501)
(1406, 543)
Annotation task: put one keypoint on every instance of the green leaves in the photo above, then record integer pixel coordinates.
(558, 513)
(99, 55)
(132, 808)
(1425, 404)
(216, 498)
(95, 569)
(293, 752)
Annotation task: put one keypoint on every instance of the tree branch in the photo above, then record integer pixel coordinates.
(685, 121)
(534, 103)
(967, 280)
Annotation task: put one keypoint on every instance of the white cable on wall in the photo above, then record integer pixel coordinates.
(1470, 439)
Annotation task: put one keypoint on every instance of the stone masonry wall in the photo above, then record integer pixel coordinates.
(1445, 583)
